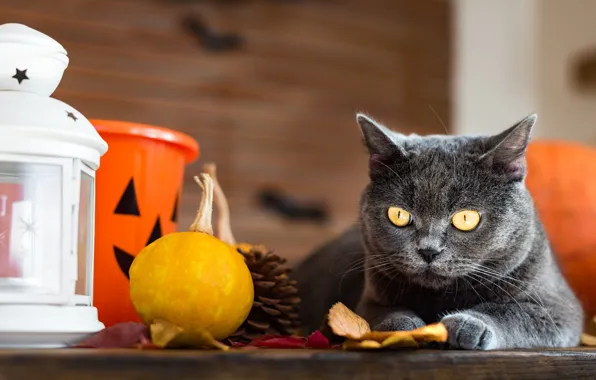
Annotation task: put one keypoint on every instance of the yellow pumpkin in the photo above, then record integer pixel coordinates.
(193, 280)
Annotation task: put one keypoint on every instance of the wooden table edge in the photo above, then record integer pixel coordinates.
(287, 364)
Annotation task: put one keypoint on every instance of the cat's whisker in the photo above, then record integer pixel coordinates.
(538, 301)
(520, 282)
(472, 287)
(356, 266)
(438, 118)
(478, 269)
(483, 276)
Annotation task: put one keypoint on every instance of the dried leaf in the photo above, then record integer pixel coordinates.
(361, 345)
(588, 340)
(344, 322)
(279, 342)
(167, 335)
(121, 335)
(317, 340)
(436, 332)
(401, 341)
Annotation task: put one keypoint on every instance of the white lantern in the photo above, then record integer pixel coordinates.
(49, 153)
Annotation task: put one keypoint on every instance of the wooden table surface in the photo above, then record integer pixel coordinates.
(83, 364)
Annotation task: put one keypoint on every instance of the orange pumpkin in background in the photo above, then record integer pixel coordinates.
(562, 180)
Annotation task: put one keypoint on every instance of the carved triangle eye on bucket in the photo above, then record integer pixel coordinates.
(128, 203)
(174, 217)
(124, 260)
(155, 233)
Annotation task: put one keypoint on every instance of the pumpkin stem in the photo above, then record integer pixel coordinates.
(224, 225)
(202, 222)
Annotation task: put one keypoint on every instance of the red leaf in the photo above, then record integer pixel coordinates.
(279, 342)
(121, 335)
(317, 340)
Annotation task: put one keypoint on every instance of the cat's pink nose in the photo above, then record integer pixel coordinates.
(429, 254)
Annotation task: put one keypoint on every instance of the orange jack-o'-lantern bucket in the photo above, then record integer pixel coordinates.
(138, 190)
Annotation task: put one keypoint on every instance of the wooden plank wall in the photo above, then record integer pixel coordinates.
(280, 111)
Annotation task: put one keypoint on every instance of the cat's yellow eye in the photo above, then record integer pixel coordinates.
(399, 216)
(466, 220)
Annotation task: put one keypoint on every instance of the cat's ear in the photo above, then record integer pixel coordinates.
(507, 151)
(380, 141)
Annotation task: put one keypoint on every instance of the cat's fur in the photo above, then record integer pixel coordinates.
(495, 287)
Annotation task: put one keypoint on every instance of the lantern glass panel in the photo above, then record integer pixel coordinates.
(31, 227)
(85, 235)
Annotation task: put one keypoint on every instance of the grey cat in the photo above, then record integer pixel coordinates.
(447, 232)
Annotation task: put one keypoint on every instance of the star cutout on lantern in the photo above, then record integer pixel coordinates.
(21, 75)
(71, 115)
(29, 226)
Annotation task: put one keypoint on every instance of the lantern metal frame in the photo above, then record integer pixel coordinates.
(47, 309)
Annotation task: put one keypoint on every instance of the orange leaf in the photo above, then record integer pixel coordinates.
(402, 340)
(430, 333)
(344, 322)
(361, 345)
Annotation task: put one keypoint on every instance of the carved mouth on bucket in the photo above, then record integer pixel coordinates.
(125, 259)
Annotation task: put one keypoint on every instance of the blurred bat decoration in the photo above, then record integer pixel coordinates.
(209, 39)
(292, 209)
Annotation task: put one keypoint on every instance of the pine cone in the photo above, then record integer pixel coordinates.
(276, 304)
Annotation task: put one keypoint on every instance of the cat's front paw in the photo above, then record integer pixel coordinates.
(468, 332)
(399, 322)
